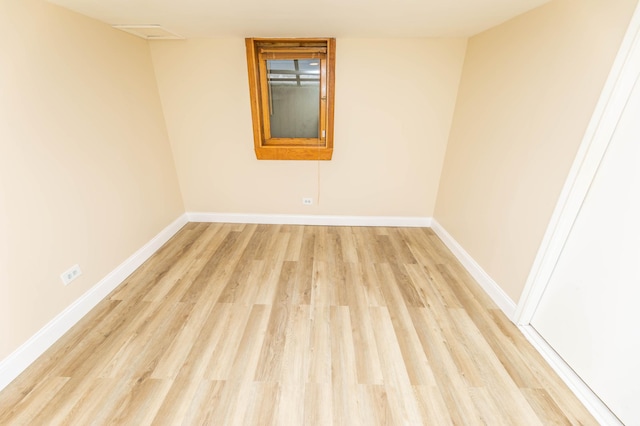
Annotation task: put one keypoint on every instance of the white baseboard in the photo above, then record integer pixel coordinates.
(284, 219)
(596, 407)
(492, 288)
(27, 353)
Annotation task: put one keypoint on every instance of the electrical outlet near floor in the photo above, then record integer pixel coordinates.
(71, 274)
(307, 201)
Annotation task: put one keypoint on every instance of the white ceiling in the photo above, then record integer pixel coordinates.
(304, 18)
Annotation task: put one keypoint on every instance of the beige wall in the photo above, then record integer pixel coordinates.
(86, 174)
(527, 93)
(394, 103)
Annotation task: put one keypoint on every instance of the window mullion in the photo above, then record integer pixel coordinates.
(322, 122)
(266, 99)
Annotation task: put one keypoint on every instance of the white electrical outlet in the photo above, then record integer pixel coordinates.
(71, 274)
(307, 201)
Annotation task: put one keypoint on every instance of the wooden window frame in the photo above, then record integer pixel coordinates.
(258, 51)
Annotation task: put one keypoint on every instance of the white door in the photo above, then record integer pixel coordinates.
(590, 310)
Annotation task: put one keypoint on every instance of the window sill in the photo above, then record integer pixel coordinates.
(293, 153)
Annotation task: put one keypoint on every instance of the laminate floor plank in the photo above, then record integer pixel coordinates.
(414, 358)
(304, 271)
(320, 345)
(368, 366)
(245, 324)
(318, 409)
(400, 394)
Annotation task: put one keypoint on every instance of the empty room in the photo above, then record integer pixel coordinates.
(290, 213)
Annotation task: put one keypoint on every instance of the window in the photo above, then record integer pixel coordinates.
(291, 83)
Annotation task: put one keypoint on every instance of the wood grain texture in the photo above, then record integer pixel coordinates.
(290, 325)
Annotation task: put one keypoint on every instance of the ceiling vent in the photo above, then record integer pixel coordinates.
(149, 32)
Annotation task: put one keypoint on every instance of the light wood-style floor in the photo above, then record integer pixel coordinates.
(294, 325)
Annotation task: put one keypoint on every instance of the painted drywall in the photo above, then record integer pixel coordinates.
(527, 92)
(86, 173)
(393, 109)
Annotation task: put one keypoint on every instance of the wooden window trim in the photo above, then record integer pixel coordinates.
(267, 148)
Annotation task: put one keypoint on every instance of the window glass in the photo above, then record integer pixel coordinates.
(294, 98)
